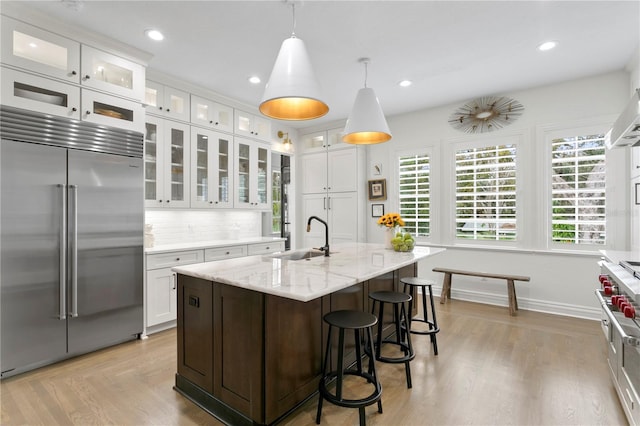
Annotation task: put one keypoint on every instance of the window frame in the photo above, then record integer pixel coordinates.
(613, 174)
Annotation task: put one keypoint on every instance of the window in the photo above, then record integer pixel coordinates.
(413, 192)
(578, 190)
(486, 193)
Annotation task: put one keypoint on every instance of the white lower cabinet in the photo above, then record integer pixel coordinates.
(161, 296)
(161, 287)
(161, 282)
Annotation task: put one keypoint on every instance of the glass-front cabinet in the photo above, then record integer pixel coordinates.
(253, 175)
(252, 126)
(211, 114)
(166, 101)
(113, 74)
(38, 50)
(211, 177)
(167, 151)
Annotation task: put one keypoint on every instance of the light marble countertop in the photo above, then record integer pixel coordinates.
(616, 256)
(304, 280)
(208, 244)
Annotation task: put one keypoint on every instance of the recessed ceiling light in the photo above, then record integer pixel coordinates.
(547, 45)
(154, 35)
(254, 79)
(405, 83)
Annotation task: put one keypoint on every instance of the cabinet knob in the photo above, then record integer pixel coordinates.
(211, 122)
(168, 110)
(160, 108)
(217, 123)
(74, 109)
(210, 202)
(168, 201)
(227, 253)
(87, 77)
(88, 112)
(159, 201)
(73, 73)
(177, 259)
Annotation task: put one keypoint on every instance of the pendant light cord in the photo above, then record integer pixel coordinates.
(293, 12)
(366, 73)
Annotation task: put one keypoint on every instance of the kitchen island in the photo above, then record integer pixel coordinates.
(250, 330)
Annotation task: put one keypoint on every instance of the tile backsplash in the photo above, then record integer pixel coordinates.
(176, 226)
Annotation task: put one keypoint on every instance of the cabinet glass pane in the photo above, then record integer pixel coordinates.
(111, 73)
(202, 168)
(39, 94)
(224, 118)
(41, 51)
(150, 161)
(262, 175)
(177, 104)
(151, 97)
(244, 124)
(177, 165)
(223, 171)
(243, 172)
(315, 142)
(202, 111)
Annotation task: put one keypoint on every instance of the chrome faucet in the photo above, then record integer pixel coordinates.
(325, 249)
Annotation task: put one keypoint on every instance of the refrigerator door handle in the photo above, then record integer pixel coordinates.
(74, 253)
(63, 254)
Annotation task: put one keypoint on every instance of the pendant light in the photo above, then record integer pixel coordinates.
(366, 124)
(292, 92)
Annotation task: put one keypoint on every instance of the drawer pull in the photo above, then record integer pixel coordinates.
(177, 259)
(227, 253)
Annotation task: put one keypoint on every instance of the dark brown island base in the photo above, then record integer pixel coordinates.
(249, 357)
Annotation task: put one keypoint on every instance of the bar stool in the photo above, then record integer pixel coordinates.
(401, 323)
(413, 283)
(357, 321)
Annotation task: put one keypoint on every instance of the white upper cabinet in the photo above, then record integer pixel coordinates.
(212, 115)
(40, 51)
(167, 165)
(211, 169)
(28, 91)
(111, 73)
(167, 101)
(101, 108)
(252, 126)
(323, 141)
(253, 175)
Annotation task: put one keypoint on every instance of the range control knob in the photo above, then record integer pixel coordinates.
(608, 290)
(603, 277)
(629, 311)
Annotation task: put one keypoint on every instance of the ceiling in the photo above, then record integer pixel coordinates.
(453, 51)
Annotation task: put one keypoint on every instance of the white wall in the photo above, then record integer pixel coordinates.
(560, 282)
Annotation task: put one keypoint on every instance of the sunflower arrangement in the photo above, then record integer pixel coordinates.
(400, 241)
(391, 220)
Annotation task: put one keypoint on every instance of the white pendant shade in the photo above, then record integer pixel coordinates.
(292, 92)
(366, 123)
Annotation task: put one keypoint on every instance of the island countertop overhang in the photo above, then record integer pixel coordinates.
(307, 279)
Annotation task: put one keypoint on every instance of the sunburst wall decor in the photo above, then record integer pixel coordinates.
(486, 114)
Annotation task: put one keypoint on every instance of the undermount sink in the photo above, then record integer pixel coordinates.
(299, 254)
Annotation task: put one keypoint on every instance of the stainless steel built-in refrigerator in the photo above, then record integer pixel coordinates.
(71, 238)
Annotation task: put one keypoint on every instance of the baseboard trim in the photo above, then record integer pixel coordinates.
(585, 312)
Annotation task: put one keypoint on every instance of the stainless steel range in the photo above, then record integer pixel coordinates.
(619, 296)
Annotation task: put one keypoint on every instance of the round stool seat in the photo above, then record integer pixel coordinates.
(416, 281)
(390, 296)
(350, 319)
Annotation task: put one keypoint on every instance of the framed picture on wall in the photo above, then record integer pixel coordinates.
(377, 210)
(377, 190)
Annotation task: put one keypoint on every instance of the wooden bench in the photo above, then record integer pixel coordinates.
(511, 288)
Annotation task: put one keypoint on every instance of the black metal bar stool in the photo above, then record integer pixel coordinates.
(401, 323)
(357, 321)
(413, 283)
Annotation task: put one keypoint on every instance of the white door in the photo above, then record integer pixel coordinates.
(314, 205)
(161, 296)
(343, 218)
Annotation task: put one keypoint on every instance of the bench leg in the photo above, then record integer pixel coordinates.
(446, 288)
(513, 301)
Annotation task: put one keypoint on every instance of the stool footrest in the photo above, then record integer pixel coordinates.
(350, 403)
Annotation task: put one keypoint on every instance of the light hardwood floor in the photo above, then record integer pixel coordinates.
(492, 369)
